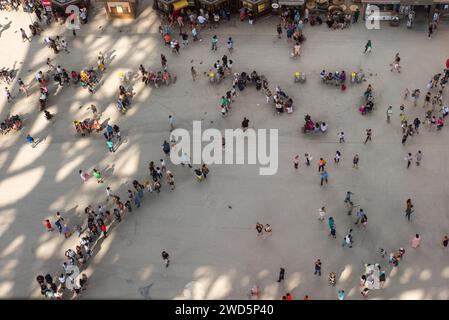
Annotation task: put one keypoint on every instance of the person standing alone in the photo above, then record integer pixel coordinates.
(165, 257)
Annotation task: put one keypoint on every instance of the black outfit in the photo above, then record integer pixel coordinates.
(281, 274)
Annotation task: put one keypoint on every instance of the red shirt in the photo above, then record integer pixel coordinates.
(290, 297)
(103, 227)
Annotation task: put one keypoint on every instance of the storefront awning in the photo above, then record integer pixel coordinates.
(212, 2)
(382, 1)
(291, 2)
(180, 4)
(416, 2)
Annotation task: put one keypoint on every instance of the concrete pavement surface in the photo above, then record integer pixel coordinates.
(215, 252)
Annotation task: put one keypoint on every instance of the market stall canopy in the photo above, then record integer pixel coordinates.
(180, 4)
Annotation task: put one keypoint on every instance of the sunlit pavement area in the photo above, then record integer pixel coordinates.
(215, 252)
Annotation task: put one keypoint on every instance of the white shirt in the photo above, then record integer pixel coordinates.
(185, 158)
(201, 19)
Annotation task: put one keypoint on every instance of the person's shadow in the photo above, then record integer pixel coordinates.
(5, 27)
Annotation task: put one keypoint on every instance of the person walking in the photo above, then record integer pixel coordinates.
(308, 158)
(117, 215)
(279, 31)
(31, 141)
(416, 241)
(194, 73)
(185, 160)
(58, 224)
(110, 145)
(348, 196)
(22, 86)
(445, 241)
(368, 135)
(368, 47)
(24, 35)
(164, 62)
(333, 232)
(171, 122)
(321, 213)
(341, 137)
(356, 15)
(166, 148)
(321, 164)
(416, 123)
(47, 225)
(360, 215)
(170, 180)
(267, 230)
(395, 65)
(332, 279)
(97, 175)
(324, 177)
(430, 31)
(165, 258)
(296, 162)
(418, 157)
(104, 230)
(281, 274)
(347, 240)
(389, 113)
(337, 157)
(332, 227)
(409, 159)
(259, 229)
(8, 95)
(409, 209)
(355, 161)
(230, 45)
(245, 124)
(214, 43)
(406, 93)
(415, 94)
(318, 267)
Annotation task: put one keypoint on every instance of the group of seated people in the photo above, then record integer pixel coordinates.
(5, 76)
(11, 123)
(369, 101)
(242, 79)
(338, 20)
(87, 126)
(123, 99)
(315, 20)
(282, 102)
(315, 127)
(155, 78)
(88, 79)
(336, 77)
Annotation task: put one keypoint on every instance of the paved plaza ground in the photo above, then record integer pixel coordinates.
(214, 249)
